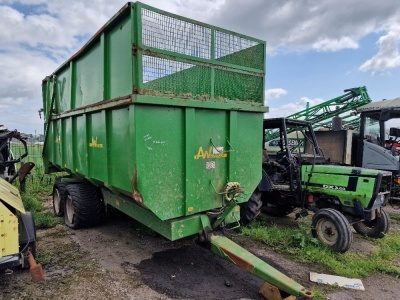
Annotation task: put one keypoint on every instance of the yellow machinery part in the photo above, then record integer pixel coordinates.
(8, 232)
(10, 195)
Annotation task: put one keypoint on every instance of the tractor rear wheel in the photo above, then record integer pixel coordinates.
(376, 228)
(58, 198)
(333, 229)
(83, 205)
(250, 210)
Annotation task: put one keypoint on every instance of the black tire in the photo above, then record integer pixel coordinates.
(333, 229)
(277, 210)
(376, 228)
(59, 198)
(250, 210)
(83, 206)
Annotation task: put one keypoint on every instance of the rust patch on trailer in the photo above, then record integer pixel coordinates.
(101, 103)
(104, 104)
(239, 261)
(136, 195)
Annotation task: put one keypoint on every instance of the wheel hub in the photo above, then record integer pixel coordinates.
(327, 231)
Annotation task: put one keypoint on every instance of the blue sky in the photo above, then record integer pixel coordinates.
(316, 49)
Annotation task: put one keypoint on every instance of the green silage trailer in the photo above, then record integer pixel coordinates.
(160, 117)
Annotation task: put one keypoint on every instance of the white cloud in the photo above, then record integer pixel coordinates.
(41, 35)
(388, 56)
(20, 91)
(312, 102)
(302, 24)
(274, 93)
(326, 44)
(292, 108)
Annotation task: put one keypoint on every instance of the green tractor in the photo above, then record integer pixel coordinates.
(297, 175)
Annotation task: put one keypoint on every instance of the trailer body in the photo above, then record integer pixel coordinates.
(160, 109)
(159, 116)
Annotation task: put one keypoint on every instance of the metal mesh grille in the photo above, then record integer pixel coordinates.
(167, 33)
(237, 86)
(167, 76)
(205, 73)
(239, 51)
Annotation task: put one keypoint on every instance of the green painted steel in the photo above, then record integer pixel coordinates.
(159, 108)
(173, 229)
(321, 115)
(347, 184)
(230, 251)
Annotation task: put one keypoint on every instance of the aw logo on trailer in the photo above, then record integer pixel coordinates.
(95, 144)
(213, 152)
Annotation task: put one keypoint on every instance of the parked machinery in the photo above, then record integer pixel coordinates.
(371, 145)
(17, 227)
(297, 175)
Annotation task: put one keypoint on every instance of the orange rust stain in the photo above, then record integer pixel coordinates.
(240, 262)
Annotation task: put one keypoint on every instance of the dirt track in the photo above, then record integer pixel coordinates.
(123, 260)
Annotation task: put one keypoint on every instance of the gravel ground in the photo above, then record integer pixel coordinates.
(121, 259)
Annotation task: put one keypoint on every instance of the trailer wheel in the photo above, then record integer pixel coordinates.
(59, 198)
(83, 205)
(376, 228)
(252, 208)
(333, 229)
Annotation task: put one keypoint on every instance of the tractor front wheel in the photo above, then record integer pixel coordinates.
(376, 228)
(333, 229)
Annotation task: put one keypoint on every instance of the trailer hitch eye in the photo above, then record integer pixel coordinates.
(232, 190)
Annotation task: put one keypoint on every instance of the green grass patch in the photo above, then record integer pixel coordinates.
(318, 295)
(34, 198)
(299, 243)
(394, 217)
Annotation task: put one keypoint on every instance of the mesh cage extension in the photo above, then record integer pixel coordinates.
(206, 63)
(167, 33)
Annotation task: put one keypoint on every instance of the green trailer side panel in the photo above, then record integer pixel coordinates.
(247, 157)
(97, 143)
(165, 147)
(81, 148)
(63, 95)
(66, 140)
(62, 142)
(119, 54)
(121, 162)
(209, 166)
(55, 141)
(160, 159)
(89, 77)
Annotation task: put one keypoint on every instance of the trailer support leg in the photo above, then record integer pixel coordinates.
(239, 256)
